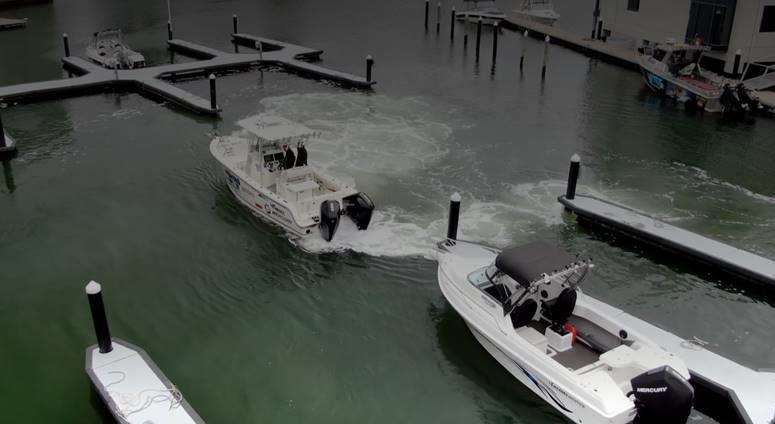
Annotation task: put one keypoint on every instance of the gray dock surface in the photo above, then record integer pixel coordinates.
(643, 227)
(6, 23)
(152, 80)
(610, 52)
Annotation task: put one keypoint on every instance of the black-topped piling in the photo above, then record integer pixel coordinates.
(546, 55)
(478, 36)
(427, 5)
(573, 176)
(465, 41)
(454, 216)
(369, 66)
(234, 24)
(100, 321)
(66, 42)
(599, 29)
(213, 104)
(2, 131)
(169, 30)
(524, 47)
(438, 17)
(452, 24)
(495, 42)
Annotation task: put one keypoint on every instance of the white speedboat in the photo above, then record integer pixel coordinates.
(481, 9)
(541, 11)
(108, 49)
(590, 361)
(292, 195)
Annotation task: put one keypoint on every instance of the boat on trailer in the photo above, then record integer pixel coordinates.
(481, 9)
(296, 197)
(592, 362)
(107, 48)
(541, 11)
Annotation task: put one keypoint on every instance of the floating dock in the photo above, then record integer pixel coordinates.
(639, 226)
(725, 390)
(610, 52)
(153, 80)
(6, 23)
(132, 386)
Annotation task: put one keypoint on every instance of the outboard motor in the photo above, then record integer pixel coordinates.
(359, 207)
(329, 219)
(730, 102)
(745, 98)
(662, 396)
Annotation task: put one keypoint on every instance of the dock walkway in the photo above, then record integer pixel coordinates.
(6, 23)
(610, 52)
(642, 227)
(152, 80)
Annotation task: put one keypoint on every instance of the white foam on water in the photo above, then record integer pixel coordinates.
(703, 177)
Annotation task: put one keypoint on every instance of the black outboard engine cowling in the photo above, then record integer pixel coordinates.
(662, 396)
(360, 208)
(329, 219)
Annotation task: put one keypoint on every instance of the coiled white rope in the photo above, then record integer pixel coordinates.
(131, 403)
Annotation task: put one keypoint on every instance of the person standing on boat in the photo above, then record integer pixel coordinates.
(289, 159)
(301, 158)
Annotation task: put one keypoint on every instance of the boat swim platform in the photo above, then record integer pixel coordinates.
(6, 23)
(153, 81)
(609, 52)
(639, 226)
(726, 390)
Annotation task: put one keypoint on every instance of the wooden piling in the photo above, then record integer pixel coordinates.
(478, 37)
(213, 104)
(426, 14)
(66, 41)
(452, 24)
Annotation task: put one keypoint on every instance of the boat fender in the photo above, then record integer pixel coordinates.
(571, 329)
(329, 219)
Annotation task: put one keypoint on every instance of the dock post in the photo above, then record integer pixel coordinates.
(599, 29)
(494, 43)
(213, 105)
(524, 47)
(260, 48)
(573, 176)
(169, 30)
(465, 41)
(426, 14)
(66, 41)
(234, 23)
(452, 24)
(454, 216)
(97, 307)
(2, 132)
(438, 17)
(478, 36)
(736, 66)
(546, 54)
(369, 65)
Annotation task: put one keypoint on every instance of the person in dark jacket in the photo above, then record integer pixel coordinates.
(290, 159)
(301, 158)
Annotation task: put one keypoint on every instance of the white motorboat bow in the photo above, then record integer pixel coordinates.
(108, 49)
(541, 11)
(287, 192)
(590, 361)
(481, 9)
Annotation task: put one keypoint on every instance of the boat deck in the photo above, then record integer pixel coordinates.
(638, 225)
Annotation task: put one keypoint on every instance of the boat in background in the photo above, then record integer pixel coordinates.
(592, 362)
(481, 9)
(108, 49)
(541, 11)
(287, 192)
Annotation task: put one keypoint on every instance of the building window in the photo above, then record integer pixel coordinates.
(633, 5)
(768, 19)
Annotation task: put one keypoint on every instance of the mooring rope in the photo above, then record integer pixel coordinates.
(136, 403)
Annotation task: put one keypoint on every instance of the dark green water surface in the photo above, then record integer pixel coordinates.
(254, 329)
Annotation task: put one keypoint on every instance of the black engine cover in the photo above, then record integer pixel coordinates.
(329, 219)
(662, 396)
(360, 208)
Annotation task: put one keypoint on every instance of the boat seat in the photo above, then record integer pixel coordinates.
(594, 335)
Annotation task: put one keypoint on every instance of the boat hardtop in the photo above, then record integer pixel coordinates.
(590, 361)
(279, 185)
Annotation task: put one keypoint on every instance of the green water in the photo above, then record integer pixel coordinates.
(252, 328)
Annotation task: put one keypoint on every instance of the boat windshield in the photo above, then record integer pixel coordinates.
(493, 281)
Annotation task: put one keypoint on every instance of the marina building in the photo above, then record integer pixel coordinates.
(726, 26)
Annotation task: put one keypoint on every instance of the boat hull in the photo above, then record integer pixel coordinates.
(541, 19)
(263, 206)
(682, 93)
(473, 17)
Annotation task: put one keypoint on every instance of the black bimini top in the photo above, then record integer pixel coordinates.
(529, 262)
